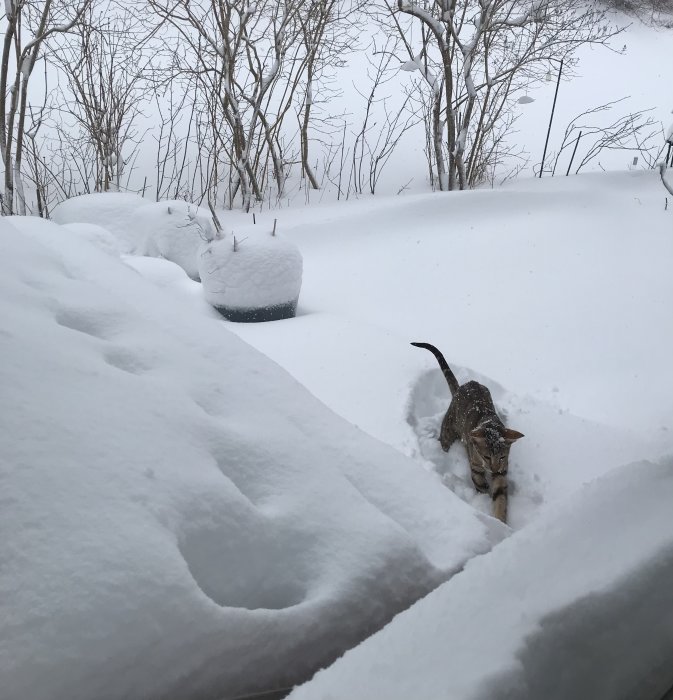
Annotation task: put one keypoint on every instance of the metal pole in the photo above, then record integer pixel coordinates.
(551, 118)
(572, 157)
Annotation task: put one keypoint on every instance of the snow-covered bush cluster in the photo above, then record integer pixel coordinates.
(174, 230)
(254, 275)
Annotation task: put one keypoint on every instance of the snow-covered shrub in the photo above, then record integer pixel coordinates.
(115, 211)
(655, 12)
(176, 231)
(173, 229)
(256, 277)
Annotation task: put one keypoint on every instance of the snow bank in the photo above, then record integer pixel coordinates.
(578, 605)
(180, 517)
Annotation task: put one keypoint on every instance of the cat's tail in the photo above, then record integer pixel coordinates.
(448, 374)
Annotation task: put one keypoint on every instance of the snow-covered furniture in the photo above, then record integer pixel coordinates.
(253, 277)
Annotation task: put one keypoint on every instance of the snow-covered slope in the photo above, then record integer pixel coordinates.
(180, 517)
(580, 606)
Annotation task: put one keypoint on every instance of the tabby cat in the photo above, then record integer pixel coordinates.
(472, 418)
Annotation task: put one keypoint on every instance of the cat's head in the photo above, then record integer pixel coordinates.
(492, 442)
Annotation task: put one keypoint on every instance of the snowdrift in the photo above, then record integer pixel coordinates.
(578, 605)
(180, 518)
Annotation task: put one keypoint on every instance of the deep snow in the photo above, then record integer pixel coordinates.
(186, 519)
(181, 518)
(579, 606)
(556, 292)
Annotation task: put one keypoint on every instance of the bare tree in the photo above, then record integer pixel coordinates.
(28, 25)
(174, 141)
(37, 172)
(384, 123)
(476, 54)
(235, 52)
(326, 34)
(107, 71)
(664, 181)
(258, 75)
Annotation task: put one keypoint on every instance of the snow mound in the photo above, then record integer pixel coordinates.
(578, 605)
(114, 211)
(181, 518)
(172, 229)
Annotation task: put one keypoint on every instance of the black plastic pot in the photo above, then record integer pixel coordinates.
(276, 312)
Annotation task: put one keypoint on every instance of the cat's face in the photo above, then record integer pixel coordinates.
(492, 444)
(495, 463)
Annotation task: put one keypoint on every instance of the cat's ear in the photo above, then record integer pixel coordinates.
(511, 435)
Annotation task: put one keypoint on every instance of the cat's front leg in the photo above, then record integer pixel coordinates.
(477, 469)
(499, 496)
(479, 478)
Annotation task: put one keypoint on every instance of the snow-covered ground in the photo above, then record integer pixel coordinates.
(180, 517)
(185, 519)
(557, 289)
(194, 509)
(579, 606)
